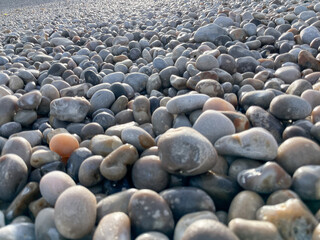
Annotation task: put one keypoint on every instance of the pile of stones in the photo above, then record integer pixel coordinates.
(186, 119)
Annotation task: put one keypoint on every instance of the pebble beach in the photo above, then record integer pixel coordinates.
(158, 120)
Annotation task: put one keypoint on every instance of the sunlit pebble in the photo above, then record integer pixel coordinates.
(64, 144)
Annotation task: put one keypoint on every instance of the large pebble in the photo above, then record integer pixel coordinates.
(117, 202)
(305, 181)
(254, 230)
(186, 152)
(265, 179)
(290, 107)
(148, 173)
(296, 152)
(245, 205)
(185, 221)
(45, 227)
(148, 211)
(214, 125)
(9, 106)
(75, 212)
(104, 144)
(186, 103)
(184, 200)
(208, 229)
(53, 184)
(23, 230)
(113, 226)
(209, 33)
(72, 109)
(292, 219)
(255, 143)
(13, 175)
(138, 137)
(114, 166)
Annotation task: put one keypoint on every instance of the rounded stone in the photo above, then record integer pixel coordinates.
(288, 74)
(152, 236)
(185, 200)
(245, 205)
(148, 173)
(114, 166)
(218, 104)
(265, 179)
(206, 62)
(305, 181)
(253, 229)
(185, 221)
(89, 171)
(63, 144)
(53, 184)
(30, 100)
(103, 98)
(161, 120)
(210, 87)
(290, 107)
(75, 212)
(72, 109)
(148, 211)
(186, 103)
(45, 227)
(138, 137)
(42, 157)
(113, 226)
(104, 144)
(19, 146)
(255, 143)
(186, 152)
(14, 174)
(208, 229)
(213, 125)
(281, 196)
(297, 152)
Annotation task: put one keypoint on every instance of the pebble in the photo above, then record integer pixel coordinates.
(117, 202)
(255, 143)
(75, 212)
(208, 229)
(195, 199)
(186, 152)
(185, 221)
(290, 107)
(114, 226)
(45, 226)
(265, 179)
(214, 125)
(138, 137)
(150, 69)
(304, 180)
(18, 231)
(186, 103)
(72, 109)
(296, 152)
(63, 144)
(49, 191)
(148, 173)
(14, 178)
(245, 205)
(148, 211)
(287, 217)
(253, 229)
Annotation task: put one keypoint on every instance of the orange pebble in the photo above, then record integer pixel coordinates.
(64, 144)
(218, 104)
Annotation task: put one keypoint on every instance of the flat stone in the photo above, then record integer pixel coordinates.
(57, 41)
(288, 74)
